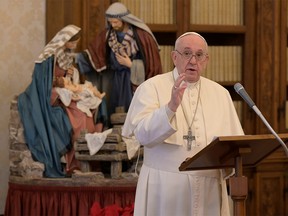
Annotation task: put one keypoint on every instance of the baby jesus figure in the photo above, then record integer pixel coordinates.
(88, 97)
(65, 82)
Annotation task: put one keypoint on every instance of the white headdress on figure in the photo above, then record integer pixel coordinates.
(119, 11)
(58, 42)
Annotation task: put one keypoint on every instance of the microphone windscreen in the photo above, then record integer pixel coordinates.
(237, 87)
(241, 91)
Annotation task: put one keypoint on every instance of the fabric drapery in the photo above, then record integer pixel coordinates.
(111, 210)
(47, 129)
(66, 200)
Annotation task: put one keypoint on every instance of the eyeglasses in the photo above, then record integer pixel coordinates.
(199, 56)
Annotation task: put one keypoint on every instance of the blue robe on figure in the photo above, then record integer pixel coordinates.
(47, 129)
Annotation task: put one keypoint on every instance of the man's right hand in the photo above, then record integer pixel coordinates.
(177, 93)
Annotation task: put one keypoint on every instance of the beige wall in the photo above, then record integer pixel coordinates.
(22, 38)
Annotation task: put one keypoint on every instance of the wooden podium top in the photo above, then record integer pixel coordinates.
(221, 152)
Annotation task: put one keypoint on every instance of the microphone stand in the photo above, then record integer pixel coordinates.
(257, 111)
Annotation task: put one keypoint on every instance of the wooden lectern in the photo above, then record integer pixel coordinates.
(235, 152)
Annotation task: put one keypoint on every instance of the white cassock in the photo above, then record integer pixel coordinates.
(162, 189)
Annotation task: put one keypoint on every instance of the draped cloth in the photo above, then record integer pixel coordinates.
(119, 11)
(98, 53)
(162, 189)
(47, 200)
(47, 129)
(56, 46)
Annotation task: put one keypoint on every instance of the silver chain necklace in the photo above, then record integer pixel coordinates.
(189, 137)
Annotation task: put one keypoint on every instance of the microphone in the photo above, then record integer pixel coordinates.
(242, 92)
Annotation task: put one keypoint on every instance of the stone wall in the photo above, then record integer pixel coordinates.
(21, 161)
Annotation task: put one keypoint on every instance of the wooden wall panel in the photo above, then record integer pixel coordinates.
(89, 15)
(267, 62)
(93, 18)
(283, 68)
(269, 195)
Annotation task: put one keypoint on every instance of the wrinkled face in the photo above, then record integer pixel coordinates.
(117, 24)
(72, 45)
(190, 56)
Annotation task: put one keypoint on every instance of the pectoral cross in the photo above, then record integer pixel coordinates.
(189, 137)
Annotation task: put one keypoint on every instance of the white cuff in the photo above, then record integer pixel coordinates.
(169, 112)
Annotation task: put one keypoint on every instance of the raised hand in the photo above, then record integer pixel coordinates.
(177, 92)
